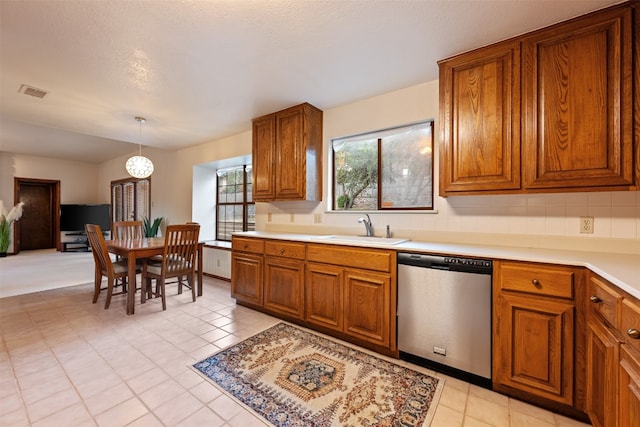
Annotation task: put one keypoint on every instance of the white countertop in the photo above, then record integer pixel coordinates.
(622, 270)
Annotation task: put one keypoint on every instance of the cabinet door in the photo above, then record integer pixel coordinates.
(264, 158)
(602, 375)
(290, 154)
(324, 295)
(533, 346)
(629, 390)
(246, 278)
(480, 110)
(367, 306)
(577, 98)
(284, 286)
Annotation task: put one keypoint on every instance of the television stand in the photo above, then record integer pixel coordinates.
(75, 246)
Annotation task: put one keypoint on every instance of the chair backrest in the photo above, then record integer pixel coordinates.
(127, 230)
(180, 246)
(98, 247)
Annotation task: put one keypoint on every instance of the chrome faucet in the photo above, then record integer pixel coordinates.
(367, 224)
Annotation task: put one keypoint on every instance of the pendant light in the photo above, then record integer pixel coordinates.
(139, 166)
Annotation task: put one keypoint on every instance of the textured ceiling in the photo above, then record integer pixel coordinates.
(199, 70)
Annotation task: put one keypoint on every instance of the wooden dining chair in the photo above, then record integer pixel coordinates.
(105, 267)
(127, 230)
(178, 260)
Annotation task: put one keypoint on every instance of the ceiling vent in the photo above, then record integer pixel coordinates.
(32, 91)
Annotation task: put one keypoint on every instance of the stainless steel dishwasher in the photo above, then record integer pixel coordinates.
(444, 314)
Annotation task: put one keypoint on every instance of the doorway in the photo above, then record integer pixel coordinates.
(39, 226)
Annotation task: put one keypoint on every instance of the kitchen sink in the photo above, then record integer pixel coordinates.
(363, 239)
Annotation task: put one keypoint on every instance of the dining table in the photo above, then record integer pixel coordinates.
(134, 249)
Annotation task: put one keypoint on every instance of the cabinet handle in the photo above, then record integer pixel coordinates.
(536, 283)
(594, 299)
(633, 333)
(281, 251)
(246, 246)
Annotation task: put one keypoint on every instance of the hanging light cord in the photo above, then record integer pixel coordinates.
(140, 120)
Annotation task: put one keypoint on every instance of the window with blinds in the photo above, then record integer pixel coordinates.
(131, 199)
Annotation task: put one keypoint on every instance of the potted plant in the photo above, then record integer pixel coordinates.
(151, 229)
(6, 221)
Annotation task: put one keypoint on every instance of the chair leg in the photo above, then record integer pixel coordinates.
(96, 288)
(179, 284)
(193, 288)
(110, 281)
(146, 287)
(164, 296)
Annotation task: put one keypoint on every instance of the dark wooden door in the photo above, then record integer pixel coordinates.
(37, 227)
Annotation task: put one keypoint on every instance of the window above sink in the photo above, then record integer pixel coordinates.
(385, 170)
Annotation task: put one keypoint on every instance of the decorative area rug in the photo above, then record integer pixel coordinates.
(292, 377)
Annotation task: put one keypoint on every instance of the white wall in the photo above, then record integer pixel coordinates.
(172, 184)
(540, 220)
(78, 180)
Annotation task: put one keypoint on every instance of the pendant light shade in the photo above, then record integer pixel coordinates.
(139, 166)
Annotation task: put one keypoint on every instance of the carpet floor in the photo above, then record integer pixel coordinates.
(294, 377)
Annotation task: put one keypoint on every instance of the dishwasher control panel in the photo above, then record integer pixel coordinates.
(468, 261)
(463, 264)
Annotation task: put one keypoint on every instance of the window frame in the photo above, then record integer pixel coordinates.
(246, 169)
(382, 133)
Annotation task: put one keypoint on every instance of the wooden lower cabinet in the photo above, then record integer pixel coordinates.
(613, 356)
(629, 371)
(284, 286)
(349, 292)
(602, 374)
(246, 278)
(352, 301)
(534, 326)
(534, 344)
(367, 306)
(324, 296)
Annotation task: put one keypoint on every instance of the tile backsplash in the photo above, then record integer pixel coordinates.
(540, 220)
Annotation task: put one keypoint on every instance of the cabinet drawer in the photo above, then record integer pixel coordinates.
(247, 245)
(605, 300)
(370, 259)
(539, 279)
(630, 323)
(284, 249)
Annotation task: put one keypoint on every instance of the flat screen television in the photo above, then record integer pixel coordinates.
(74, 217)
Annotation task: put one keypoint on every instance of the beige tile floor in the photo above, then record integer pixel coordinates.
(66, 362)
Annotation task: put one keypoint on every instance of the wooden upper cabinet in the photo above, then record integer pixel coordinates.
(479, 110)
(552, 110)
(287, 155)
(577, 103)
(264, 158)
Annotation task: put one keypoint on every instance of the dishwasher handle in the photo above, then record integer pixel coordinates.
(421, 260)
